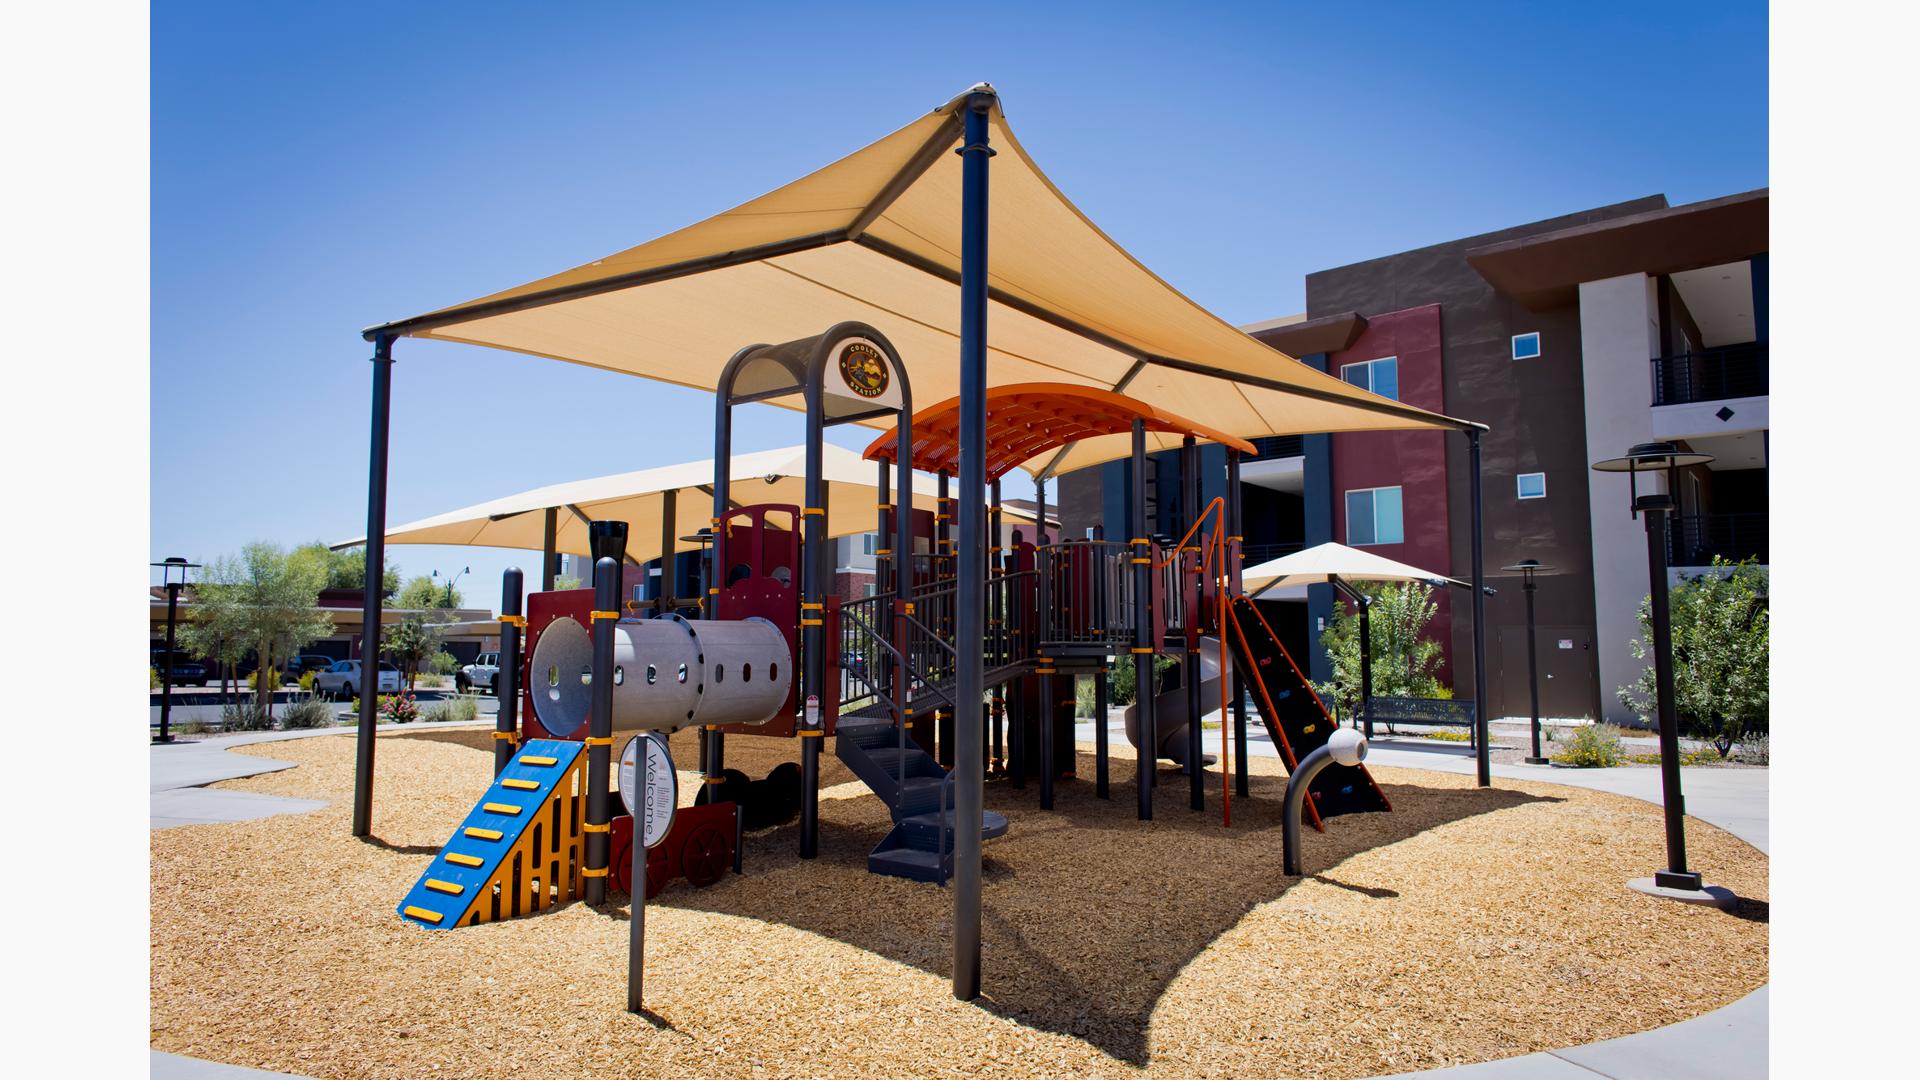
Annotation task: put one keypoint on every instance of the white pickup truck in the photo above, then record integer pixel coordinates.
(480, 674)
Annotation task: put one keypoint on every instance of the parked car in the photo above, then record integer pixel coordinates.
(181, 671)
(483, 673)
(343, 677)
(300, 665)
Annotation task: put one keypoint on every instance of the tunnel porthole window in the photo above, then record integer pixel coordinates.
(683, 673)
(553, 674)
(773, 671)
(586, 676)
(619, 675)
(719, 673)
(782, 575)
(746, 672)
(651, 675)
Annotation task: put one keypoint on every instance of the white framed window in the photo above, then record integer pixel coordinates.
(868, 589)
(1373, 517)
(866, 543)
(1526, 346)
(1381, 376)
(1531, 485)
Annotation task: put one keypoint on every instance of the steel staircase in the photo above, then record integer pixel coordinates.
(917, 791)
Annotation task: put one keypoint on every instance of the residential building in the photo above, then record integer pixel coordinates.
(1573, 338)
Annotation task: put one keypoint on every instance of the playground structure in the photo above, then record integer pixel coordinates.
(774, 655)
(875, 235)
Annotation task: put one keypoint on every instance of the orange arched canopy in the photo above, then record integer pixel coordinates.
(1026, 420)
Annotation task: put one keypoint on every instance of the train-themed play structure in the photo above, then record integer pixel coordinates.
(770, 653)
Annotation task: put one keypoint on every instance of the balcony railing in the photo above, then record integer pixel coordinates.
(1277, 446)
(1694, 539)
(1732, 371)
(1255, 554)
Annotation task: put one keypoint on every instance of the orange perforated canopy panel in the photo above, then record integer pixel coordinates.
(1027, 421)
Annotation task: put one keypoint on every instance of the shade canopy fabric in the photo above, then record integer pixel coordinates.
(639, 499)
(1316, 565)
(1031, 422)
(875, 237)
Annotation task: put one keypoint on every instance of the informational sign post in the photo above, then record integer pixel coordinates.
(651, 791)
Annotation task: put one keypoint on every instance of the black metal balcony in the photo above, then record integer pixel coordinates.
(1255, 554)
(1694, 539)
(1731, 371)
(1277, 446)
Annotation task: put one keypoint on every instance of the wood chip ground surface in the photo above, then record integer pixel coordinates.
(1465, 926)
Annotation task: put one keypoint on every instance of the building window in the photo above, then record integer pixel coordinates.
(866, 543)
(1381, 376)
(1532, 485)
(869, 589)
(1526, 346)
(1373, 517)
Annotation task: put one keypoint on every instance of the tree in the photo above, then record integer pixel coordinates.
(264, 601)
(424, 593)
(348, 569)
(1405, 659)
(416, 640)
(1720, 625)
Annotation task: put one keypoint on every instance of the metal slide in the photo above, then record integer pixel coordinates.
(1170, 709)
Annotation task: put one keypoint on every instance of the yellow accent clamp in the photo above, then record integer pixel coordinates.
(1139, 540)
(884, 551)
(503, 736)
(599, 615)
(810, 733)
(883, 506)
(599, 740)
(811, 511)
(713, 779)
(602, 827)
(1138, 561)
(812, 622)
(1143, 652)
(713, 592)
(514, 620)
(805, 606)
(592, 871)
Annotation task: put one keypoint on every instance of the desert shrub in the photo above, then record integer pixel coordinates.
(1449, 736)
(1689, 755)
(1595, 746)
(399, 708)
(442, 663)
(306, 682)
(193, 727)
(245, 716)
(453, 710)
(1083, 699)
(306, 712)
(153, 678)
(1752, 750)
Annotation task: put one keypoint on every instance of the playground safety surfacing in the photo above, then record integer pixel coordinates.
(1465, 926)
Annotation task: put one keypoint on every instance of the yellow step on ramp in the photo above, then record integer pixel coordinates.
(519, 851)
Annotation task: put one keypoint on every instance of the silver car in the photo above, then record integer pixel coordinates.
(344, 678)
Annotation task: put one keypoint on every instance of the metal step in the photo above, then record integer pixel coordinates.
(911, 864)
(991, 824)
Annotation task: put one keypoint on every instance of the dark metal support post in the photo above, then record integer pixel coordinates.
(1000, 630)
(375, 581)
(606, 611)
(1143, 615)
(1365, 604)
(1049, 708)
(1190, 664)
(970, 588)
(1533, 674)
(1676, 875)
(1101, 772)
(816, 557)
(664, 601)
(506, 683)
(1235, 537)
(549, 549)
(166, 664)
(1483, 758)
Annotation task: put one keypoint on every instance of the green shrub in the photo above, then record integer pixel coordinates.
(1720, 671)
(1695, 755)
(153, 678)
(453, 710)
(1595, 746)
(1083, 699)
(1449, 736)
(1120, 678)
(192, 727)
(253, 679)
(1752, 750)
(245, 716)
(442, 663)
(306, 682)
(306, 712)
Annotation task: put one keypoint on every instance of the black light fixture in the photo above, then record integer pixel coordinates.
(1527, 568)
(451, 580)
(173, 575)
(1657, 459)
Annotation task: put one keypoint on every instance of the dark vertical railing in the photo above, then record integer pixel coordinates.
(1235, 539)
(606, 614)
(1142, 647)
(1483, 761)
(1049, 708)
(506, 680)
(1188, 564)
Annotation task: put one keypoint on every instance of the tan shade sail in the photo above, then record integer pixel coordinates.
(875, 237)
(639, 498)
(1316, 564)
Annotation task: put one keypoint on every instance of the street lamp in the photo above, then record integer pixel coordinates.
(1527, 568)
(451, 580)
(1656, 459)
(173, 574)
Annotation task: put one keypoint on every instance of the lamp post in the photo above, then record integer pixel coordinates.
(1527, 568)
(173, 575)
(1657, 459)
(451, 580)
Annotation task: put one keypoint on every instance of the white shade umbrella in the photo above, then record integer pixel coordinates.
(639, 498)
(1317, 565)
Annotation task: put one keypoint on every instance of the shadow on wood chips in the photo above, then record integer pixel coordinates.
(1089, 914)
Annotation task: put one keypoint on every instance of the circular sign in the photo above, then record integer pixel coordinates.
(649, 787)
(864, 369)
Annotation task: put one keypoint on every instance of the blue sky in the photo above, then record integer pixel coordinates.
(318, 168)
